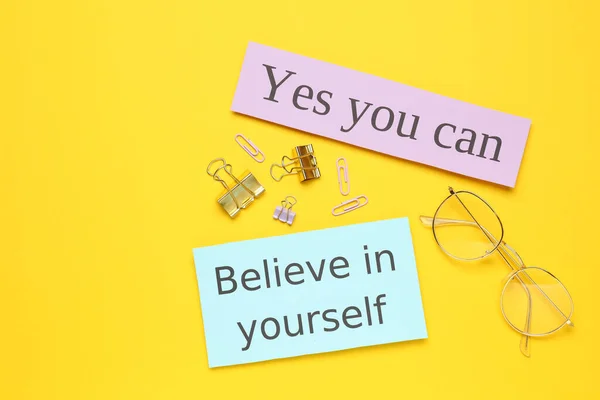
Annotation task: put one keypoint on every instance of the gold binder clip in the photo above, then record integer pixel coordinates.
(303, 163)
(243, 192)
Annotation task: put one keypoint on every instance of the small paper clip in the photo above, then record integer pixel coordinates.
(342, 168)
(307, 164)
(289, 215)
(253, 151)
(352, 204)
(243, 192)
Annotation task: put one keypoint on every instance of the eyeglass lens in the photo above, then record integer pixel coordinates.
(536, 303)
(466, 227)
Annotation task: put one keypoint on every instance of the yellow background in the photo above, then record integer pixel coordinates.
(110, 111)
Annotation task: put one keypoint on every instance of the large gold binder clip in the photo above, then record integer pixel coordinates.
(303, 162)
(241, 194)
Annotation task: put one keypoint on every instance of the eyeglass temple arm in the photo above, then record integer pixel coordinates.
(428, 221)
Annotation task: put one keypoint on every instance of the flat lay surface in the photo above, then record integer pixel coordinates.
(110, 112)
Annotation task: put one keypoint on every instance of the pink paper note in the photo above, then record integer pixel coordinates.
(381, 115)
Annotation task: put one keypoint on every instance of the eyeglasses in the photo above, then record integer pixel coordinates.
(467, 228)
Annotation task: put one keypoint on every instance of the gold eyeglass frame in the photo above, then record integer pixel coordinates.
(510, 257)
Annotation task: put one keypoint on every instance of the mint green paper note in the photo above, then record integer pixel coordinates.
(309, 292)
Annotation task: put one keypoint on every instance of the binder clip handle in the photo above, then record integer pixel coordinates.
(289, 203)
(225, 167)
(214, 173)
(278, 178)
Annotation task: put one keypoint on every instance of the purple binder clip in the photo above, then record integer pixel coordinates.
(284, 212)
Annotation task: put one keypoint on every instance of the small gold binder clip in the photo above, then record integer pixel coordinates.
(303, 163)
(241, 194)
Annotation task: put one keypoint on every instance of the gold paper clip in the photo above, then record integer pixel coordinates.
(243, 192)
(303, 163)
(250, 148)
(350, 205)
(342, 168)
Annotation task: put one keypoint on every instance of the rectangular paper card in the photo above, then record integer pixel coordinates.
(309, 292)
(380, 115)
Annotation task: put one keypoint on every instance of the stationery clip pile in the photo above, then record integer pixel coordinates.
(241, 194)
(303, 163)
